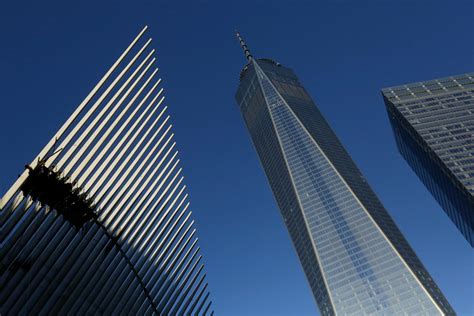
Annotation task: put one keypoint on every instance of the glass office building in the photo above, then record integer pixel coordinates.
(433, 124)
(355, 258)
(100, 223)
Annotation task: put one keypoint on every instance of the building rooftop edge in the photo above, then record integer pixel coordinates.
(269, 60)
(417, 83)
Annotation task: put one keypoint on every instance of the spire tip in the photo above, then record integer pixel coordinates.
(244, 46)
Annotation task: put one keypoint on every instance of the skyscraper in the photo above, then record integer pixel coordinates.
(354, 257)
(433, 124)
(99, 221)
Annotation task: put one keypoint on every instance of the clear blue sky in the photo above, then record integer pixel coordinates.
(344, 52)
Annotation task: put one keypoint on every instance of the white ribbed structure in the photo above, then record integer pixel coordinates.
(138, 253)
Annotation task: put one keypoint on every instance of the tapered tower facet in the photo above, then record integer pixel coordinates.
(355, 258)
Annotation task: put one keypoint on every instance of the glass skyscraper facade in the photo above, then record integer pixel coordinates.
(354, 257)
(433, 124)
(99, 223)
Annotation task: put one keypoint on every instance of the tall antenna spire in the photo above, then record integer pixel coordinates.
(244, 47)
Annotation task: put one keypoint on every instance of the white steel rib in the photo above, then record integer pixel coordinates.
(100, 221)
(14, 188)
